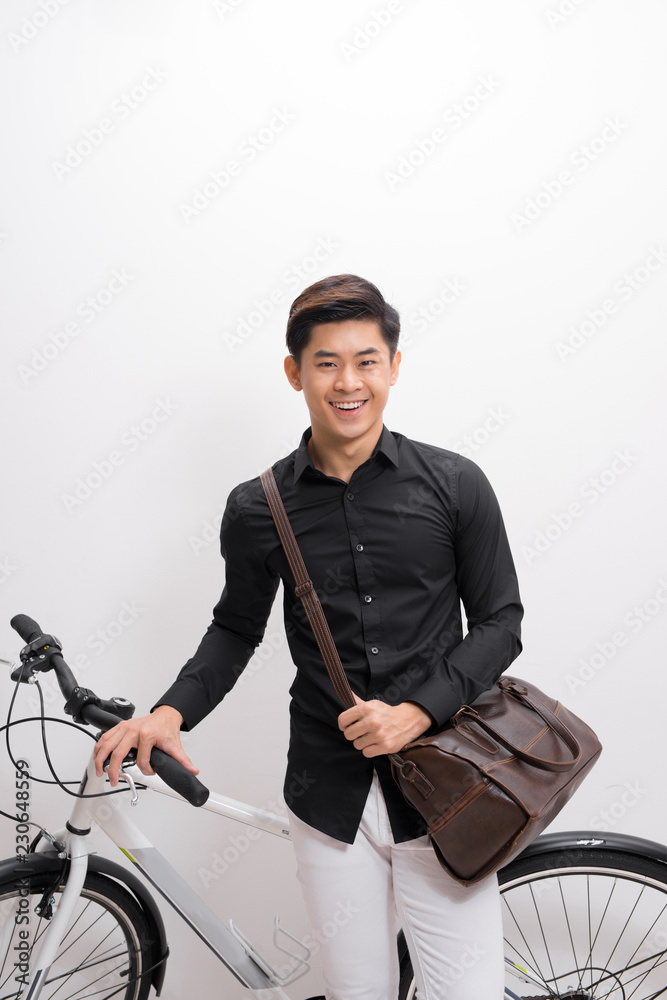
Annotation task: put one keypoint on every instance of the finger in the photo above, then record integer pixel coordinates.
(144, 748)
(104, 747)
(116, 759)
(369, 745)
(98, 759)
(179, 754)
(352, 731)
(113, 767)
(350, 714)
(176, 751)
(347, 718)
(101, 750)
(362, 730)
(125, 740)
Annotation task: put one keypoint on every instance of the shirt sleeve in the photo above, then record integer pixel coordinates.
(239, 622)
(489, 591)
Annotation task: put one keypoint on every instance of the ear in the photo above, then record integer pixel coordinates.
(292, 372)
(394, 368)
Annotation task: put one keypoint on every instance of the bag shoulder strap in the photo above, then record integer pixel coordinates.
(305, 590)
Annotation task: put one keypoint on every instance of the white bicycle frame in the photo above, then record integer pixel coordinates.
(235, 951)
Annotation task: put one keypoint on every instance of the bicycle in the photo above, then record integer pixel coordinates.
(585, 916)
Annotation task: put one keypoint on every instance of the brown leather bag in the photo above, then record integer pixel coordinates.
(494, 776)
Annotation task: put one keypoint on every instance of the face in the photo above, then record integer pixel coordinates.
(345, 374)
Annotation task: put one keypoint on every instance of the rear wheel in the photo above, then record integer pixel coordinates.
(586, 923)
(105, 952)
(406, 989)
(581, 924)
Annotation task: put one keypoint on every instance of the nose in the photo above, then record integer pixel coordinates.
(348, 379)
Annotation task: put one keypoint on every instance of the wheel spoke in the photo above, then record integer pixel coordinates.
(85, 961)
(544, 939)
(102, 952)
(587, 925)
(569, 928)
(660, 959)
(532, 963)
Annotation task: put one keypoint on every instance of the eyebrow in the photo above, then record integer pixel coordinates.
(332, 354)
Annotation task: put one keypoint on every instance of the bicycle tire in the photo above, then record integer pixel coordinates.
(582, 924)
(105, 951)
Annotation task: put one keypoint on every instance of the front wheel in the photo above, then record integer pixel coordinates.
(581, 924)
(105, 952)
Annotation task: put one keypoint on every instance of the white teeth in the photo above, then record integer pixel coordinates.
(349, 406)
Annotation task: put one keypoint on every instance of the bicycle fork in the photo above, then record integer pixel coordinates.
(74, 843)
(78, 867)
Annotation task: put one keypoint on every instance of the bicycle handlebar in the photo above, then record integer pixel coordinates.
(26, 627)
(170, 770)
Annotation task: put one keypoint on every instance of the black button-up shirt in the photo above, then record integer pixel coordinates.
(392, 555)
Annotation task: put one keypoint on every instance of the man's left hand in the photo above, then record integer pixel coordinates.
(376, 728)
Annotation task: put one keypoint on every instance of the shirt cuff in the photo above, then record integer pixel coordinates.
(187, 700)
(437, 699)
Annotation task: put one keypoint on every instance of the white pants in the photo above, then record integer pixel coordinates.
(352, 893)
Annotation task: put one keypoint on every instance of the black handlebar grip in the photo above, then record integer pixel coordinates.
(179, 778)
(26, 627)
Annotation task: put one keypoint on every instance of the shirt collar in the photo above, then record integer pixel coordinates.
(386, 446)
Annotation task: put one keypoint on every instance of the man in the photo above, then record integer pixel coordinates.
(395, 534)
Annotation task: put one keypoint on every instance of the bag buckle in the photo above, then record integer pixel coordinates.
(512, 687)
(411, 773)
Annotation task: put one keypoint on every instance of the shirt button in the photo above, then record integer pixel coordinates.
(368, 598)
(350, 496)
(374, 649)
(360, 548)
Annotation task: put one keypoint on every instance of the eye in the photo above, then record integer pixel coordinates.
(368, 361)
(325, 364)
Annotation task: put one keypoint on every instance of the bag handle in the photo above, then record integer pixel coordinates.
(305, 590)
(520, 692)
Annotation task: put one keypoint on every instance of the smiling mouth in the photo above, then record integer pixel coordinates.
(356, 405)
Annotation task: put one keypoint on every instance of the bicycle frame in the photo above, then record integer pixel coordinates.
(236, 953)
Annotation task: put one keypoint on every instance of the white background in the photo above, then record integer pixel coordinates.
(514, 152)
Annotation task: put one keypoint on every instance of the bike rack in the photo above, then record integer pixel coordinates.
(302, 966)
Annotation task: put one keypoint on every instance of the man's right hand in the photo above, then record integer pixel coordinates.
(159, 729)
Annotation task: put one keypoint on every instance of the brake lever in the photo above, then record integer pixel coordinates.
(129, 760)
